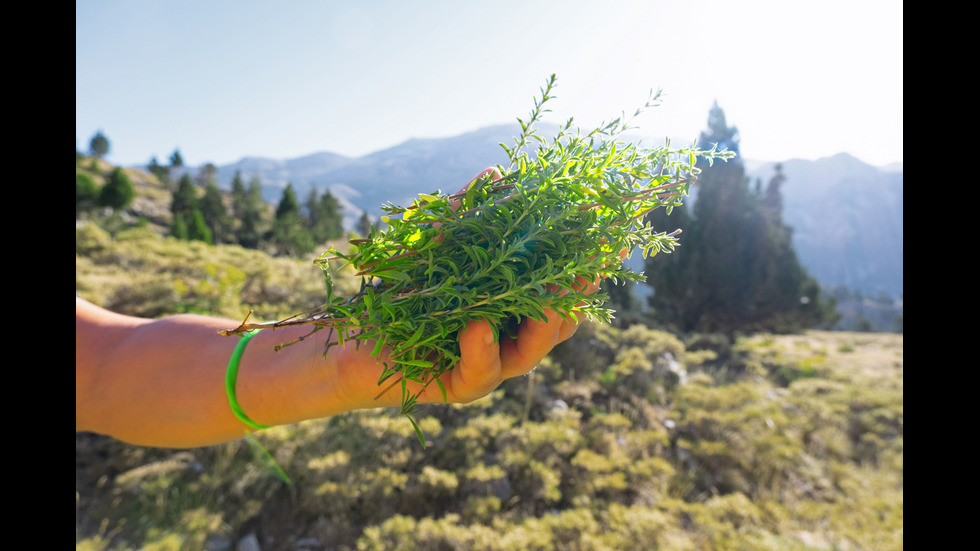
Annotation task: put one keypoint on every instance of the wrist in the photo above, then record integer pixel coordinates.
(295, 383)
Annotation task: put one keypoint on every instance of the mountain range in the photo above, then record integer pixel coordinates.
(847, 215)
(847, 218)
(395, 175)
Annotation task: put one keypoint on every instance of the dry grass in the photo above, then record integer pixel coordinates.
(860, 358)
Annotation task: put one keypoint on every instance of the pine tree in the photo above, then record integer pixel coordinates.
(188, 221)
(118, 192)
(207, 174)
(215, 213)
(289, 233)
(161, 172)
(363, 227)
(787, 294)
(736, 269)
(312, 207)
(288, 205)
(198, 230)
(176, 165)
(99, 146)
(178, 228)
(184, 201)
(332, 214)
(238, 194)
(247, 209)
(772, 199)
(667, 273)
(176, 160)
(326, 221)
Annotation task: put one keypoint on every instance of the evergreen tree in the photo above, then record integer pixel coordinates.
(772, 199)
(176, 166)
(363, 227)
(178, 228)
(331, 213)
(208, 174)
(311, 206)
(86, 193)
(118, 192)
(289, 233)
(215, 213)
(184, 201)
(667, 273)
(288, 205)
(326, 221)
(99, 146)
(248, 208)
(238, 194)
(736, 269)
(197, 229)
(188, 222)
(161, 172)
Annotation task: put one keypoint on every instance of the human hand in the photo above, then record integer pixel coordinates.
(486, 362)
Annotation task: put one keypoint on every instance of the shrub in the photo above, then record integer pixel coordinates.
(86, 193)
(118, 192)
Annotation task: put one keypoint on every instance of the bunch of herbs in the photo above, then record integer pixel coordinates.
(505, 248)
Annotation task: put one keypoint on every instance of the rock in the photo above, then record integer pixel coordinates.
(218, 543)
(249, 543)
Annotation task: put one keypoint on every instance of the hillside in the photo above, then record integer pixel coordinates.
(152, 198)
(128, 263)
(620, 439)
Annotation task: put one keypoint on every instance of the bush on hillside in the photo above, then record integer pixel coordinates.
(118, 192)
(86, 193)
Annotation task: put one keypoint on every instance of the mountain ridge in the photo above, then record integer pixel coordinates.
(847, 218)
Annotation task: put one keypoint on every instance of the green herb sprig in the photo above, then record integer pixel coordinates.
(504, 250)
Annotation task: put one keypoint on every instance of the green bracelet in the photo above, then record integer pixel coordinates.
(232, 375)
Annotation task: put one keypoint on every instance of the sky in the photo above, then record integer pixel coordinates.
(225, 79)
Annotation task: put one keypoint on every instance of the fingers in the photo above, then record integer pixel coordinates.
(588, 286)
(534, 341)
(479, 370)
(484, 364)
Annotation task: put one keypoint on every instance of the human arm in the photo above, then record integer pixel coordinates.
(161, 382)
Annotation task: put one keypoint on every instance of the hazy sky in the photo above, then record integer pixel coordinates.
(221, 80)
